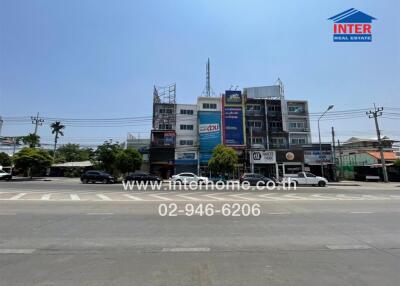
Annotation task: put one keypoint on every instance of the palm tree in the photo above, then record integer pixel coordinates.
(57, 129)
(31, 139)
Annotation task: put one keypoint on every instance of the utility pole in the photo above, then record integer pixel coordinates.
(1, 124)
(251, 149)
(334, 154)
(37, 121)
(340, 159)
(375, 114)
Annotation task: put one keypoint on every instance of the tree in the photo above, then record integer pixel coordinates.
(32, 161)
(56, 129)
(105, 156)
(397, 163)
(128, 160)
(32, 140)
(5, 160)
(223, 160)
(73, 153)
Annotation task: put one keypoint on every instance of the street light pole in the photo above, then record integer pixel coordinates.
(319, 137)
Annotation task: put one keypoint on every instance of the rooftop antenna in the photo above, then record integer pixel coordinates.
(208, 90)
(281, 87)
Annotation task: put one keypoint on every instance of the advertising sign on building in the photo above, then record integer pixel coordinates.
(283, 156)
(263, 157)
(312, 157)
(233, 97)
(233, 126)
(209, 133)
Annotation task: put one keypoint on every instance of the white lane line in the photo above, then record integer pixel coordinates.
(99, 213)
(45, 197)
(370, 197)
(74, 197)
(295, 197)
(394, 197)
(346, 197)
(347, 246)
(271, 197)
(361, 212)
(17, 251)
(133, 197)
(240, 197)
(157, 196)
(279, 213)
(186, 196)
(186, 249)
(104, 197)
(323, 197)
(17, 197)
(213, 196)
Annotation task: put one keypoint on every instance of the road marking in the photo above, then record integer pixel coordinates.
(157, 196)
(212, 196)
(74, 197)
(186, 249)
(188, 197)
(17, 197)
(347, 246)
(103, 197)
(271, 197)
(281, 213)
(346, 197)
(99, 213)
(322, 198)
(294, 197)
(17, 251)
(242, 198)
(133, 197)
(45, 197)
(361, 212)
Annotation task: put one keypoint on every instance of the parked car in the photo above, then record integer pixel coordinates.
(142, 177)
(5, 176)
(306, 178)
(254, 178)
(186, 178)
(97, 176)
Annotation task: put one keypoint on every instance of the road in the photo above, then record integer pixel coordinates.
(310, 236)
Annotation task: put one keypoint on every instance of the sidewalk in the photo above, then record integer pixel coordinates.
(365, 184)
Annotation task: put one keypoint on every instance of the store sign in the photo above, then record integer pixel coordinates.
(209, 133)
(233, 97)
(313, 157)
(263, 157)
(233, 126)
(283, 156)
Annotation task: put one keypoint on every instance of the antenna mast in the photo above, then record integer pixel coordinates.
(208, 90)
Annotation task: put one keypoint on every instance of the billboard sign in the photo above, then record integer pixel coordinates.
(233, 97)
(263, 157)
(313, 157)
(209, 133)
(233, 126)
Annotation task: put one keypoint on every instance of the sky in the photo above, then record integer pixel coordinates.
(101, 59)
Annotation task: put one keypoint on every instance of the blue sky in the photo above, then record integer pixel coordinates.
(100, 59)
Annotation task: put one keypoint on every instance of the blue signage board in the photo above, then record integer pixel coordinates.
(233, 126)
(209, 133)
(233, 97)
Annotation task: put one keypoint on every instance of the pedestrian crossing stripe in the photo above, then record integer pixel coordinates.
(182, 196)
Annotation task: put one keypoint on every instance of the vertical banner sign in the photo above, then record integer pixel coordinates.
(233, 118)
(209, 133)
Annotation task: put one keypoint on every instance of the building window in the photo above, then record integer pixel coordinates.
(296, 108)
(253, 107)
(163, 126)
(209, 106)
(254, 124)
(165, 111)
(296, 125)
(186, 142)
(274, 108)
(187, 111)
(275, 125)
(186, 127)
(298, 141)
(257, 140)
(278, 142)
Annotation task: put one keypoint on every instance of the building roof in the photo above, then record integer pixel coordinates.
(74, 164)
(352, 16)
(391, 156)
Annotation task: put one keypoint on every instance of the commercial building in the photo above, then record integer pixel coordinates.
(186, 149)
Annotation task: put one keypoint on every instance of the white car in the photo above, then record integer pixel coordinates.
(306, 178)
(186, 178)
(5, 176)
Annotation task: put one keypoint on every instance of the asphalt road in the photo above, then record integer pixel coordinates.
(311, 236)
